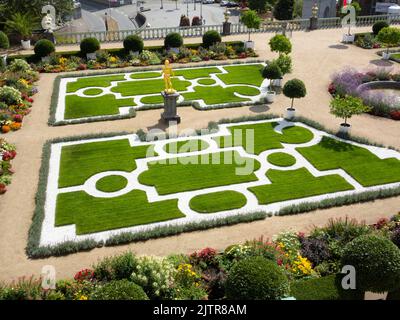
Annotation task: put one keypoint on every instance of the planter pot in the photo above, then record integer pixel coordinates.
(135, 53)
(348, 38)
(4, 59)
(375, 296)
(26, 44)
(270, 96)
(46, 59)
(386, 56)
(344, 128)
(174, 50)
(249, 45)
(91, 56)
(277, 83)
(290, 113)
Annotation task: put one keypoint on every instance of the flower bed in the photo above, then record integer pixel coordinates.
(7, 153)
(352, 82)
(16, 91)
(304, 266)
(119, 58)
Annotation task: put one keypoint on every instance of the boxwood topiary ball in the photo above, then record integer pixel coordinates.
(133, 43)
(210, 38)
(256, 278)
(173, 40)
(378, 26)
(89, 45)
(377, 263)
(44, 47)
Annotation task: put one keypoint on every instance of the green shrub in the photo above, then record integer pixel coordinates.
(389, 37)
(19, 65)
(378, 26)
(89, 45)
(294, 88)
(119, 290)
(272, 71)
(256, 278)
(173, 40)
(133, 43)
(4, 42)
(44, 47)
(284, 62)
(279, 43)
(376, 261)
(210, 38)
(116, 267)
(283, 10)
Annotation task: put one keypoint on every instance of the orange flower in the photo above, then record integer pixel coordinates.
(15, 126)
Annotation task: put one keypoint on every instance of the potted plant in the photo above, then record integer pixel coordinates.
(173, 41)
(346, 107)
(279, 43)
(89, 46)
(43, 49)
(293, 89)
(251, 20)
(271, 72)
(4, 45)
(22, 24)
(389, 37)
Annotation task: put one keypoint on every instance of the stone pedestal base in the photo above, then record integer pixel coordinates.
(226, 28)
(170, 113)
(313, 23)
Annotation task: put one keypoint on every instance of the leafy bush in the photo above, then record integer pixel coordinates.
(89, 45)
(395, 237)
(116, 267)
(44, 47)
(10, 96)
(19, 65)
(389, 36)
(119, 290)
(256, 279)
(347, 107)
(4, 42)
(173, 40)
(376, 261)
(279, 43)
(315, 250)
(283, 10)
(378, 26)
(272, 71)
(284, 62)
(210, 38)
(133, 43)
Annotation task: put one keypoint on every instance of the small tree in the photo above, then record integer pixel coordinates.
(279, 43)
(284, 62)
(22, 24)
(283, 10)
(294, 89)
(251, 20)
(258, 5)
(272, 72)
(389, 37)
(346, 107)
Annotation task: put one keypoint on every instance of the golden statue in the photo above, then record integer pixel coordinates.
(167, 74)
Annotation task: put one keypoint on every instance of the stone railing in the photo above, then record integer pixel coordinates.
(198, 31)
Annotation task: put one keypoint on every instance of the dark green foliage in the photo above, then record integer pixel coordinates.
(294, 88)
(258, 5)
(283, 10)
(119, 290)
(395, 237)
(115, 267)
(272, 71)
(89, 45)
(315, 250)
(280, 43)
(4, 42)
(377, 263)
(210, 38)
(378, 26)
(256, 278)
(173, 40)
(44, 47)
(133, 43)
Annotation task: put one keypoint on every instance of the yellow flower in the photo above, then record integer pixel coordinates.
(113, 59)
(83, 297)
(62, 60)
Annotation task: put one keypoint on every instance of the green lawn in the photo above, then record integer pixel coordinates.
(198, 172)
(296, 184)
(91, 214)
(218, 201)
(219, 95)
(145, 75)
(186, 146)
(259, 137)
(281, 159)
(358, 162)
(158, 99)
(190, 74)
(92, 92)
(206, 82)
(111, 183)
(81, 161)
(243, 74)
(100, 81)
(134, 88)
(80, 107)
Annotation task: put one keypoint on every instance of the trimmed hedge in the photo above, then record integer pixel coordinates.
(173, 40)
(378, 26)
(44, 47)
(89, 45)
(133, 43)
(210, 38)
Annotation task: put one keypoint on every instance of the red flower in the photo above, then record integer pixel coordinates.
(332, 89)
(395, 115)
(3, 188)
(84, 275)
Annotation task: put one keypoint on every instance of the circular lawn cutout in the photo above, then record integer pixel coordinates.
(186, 146)
(281, 159)
(217, 201)
(92, 92)
(206, 82)
(111, 183)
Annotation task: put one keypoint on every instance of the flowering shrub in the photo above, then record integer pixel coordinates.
(205, 257)
(7, 153)
(84, 275)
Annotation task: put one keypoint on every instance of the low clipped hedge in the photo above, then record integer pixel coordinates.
(119, 290)
(43, 48)
(256, 278)
(210, 38)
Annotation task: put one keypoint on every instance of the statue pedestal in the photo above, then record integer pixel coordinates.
(170, 100)
(226, 28)
(313, 23)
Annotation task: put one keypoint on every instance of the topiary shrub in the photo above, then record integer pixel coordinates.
(133, 43)
(4, 42)
(116, 267)
(279, 43)
(293, 89)
(376, 261)
(210, 38)
(173, 40)
(378, 26)
(256, 278)
(119, 290)
(272, 71)
(43, 48)
(89, 45)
